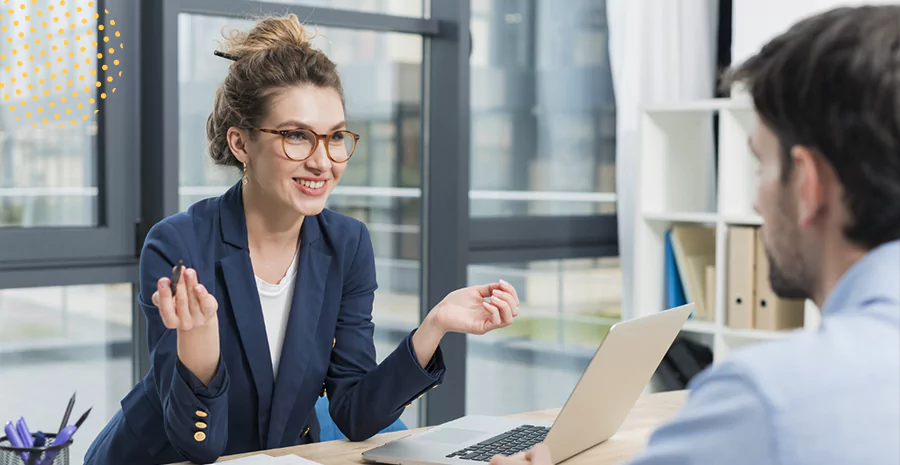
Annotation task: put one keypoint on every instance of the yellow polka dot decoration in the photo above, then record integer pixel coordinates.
(51, 50)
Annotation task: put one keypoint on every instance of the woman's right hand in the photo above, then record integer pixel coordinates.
(192, 313)
(192, 306)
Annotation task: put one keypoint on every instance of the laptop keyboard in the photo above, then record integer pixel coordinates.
(509, 443)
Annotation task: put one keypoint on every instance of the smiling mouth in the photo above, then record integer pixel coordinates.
(309, 184)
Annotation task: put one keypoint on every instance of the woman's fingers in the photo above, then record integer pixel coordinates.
(493, 311)
(507, 287)
(162, 298)
(208, 303)
(191, 305)
(509, 299)
(484, 290)
(182, 304)
(190, 284)
(502, 300)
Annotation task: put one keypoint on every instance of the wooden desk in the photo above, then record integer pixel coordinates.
(649, 412)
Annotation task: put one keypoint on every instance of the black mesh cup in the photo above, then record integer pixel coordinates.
(52, 454)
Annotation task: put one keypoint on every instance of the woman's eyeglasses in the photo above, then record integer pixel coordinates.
(299, 144)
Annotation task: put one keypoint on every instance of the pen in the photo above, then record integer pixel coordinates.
(83, 417)
(176, 275)
(24, 432)
(39, 442)
(25, 437)
(65, 419)
(14, 439)
(61, 438)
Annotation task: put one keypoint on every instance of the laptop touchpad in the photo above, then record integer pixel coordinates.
(452, 436)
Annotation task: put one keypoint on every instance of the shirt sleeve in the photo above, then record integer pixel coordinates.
(435, 368)
(365, 397)
(725, 420)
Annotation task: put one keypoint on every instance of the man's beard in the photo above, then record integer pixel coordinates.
(789, 276)
(792, 282)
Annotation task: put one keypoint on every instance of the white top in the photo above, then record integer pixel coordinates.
(275, 300)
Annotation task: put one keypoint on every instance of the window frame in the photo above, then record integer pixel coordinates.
(49, 256)
(451, 238)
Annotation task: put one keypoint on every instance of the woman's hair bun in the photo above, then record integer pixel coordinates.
(268, 33)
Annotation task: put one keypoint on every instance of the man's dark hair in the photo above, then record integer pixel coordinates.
(832, 83)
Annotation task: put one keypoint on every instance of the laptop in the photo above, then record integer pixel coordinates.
(615, 378)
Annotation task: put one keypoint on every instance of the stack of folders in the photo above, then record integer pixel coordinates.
(690, 269)
(751, 302)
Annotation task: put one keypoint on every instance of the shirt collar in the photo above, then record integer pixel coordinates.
(875, 277)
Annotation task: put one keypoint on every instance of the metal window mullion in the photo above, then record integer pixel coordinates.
(159, 150)
(326, 17)
(445, 193)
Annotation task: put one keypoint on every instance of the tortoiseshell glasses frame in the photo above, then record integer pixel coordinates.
(301, 137)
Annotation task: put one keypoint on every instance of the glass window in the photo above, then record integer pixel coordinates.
(411, 8)
(58, 340)
(566, 308)
(381, 74)
(543, 115)
(48, 173)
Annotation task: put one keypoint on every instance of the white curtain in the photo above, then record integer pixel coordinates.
(660, 51)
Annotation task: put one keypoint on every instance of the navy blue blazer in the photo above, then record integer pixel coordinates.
(171, 416)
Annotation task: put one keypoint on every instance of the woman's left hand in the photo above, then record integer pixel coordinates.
(466, 310)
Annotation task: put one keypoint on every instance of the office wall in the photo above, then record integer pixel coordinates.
(755, 24)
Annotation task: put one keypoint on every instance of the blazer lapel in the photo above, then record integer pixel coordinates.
(306, 307)
(237, 271)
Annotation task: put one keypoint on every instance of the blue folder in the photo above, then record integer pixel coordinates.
(674, 287)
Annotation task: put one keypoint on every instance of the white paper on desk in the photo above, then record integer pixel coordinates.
(292, 460)
(263, 459)
(260, 459)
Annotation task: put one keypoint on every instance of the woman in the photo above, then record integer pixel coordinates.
(274, 306)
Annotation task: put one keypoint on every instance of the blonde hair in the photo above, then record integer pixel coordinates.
(274, 55)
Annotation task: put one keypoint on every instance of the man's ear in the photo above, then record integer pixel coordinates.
(809, 181)
(237, 142)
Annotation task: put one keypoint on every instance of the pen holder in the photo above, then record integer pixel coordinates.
(54, 454)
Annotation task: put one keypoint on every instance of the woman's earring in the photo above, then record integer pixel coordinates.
(244, 179)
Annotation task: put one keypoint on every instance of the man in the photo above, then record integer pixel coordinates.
(827, 97)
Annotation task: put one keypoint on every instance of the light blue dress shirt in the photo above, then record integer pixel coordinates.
(830, 396)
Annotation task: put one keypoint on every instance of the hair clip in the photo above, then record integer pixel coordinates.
(225, 55)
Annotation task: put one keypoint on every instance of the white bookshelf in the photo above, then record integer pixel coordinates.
(679, 183)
